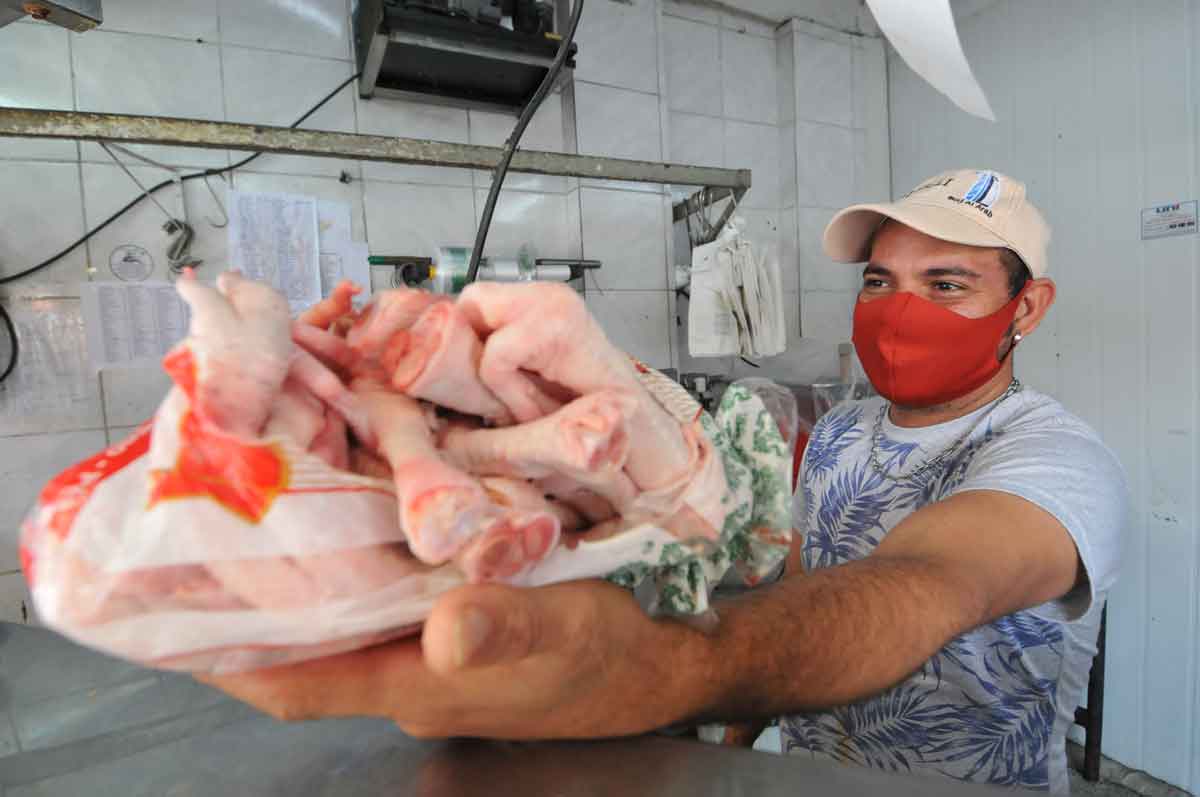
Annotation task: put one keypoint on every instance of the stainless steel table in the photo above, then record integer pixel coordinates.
(73, 722)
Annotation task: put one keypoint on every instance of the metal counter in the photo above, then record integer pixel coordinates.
(73, 722)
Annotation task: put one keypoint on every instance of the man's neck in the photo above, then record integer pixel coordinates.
(911, 417)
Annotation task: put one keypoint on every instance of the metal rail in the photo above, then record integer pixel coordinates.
(125, 129)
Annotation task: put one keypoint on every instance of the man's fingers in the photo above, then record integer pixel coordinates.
(490, 624)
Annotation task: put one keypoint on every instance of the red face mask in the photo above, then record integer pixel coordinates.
(919, 354)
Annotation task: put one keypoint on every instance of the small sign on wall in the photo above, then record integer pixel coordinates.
(1163, 221)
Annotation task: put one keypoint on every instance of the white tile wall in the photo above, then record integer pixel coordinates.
(128, 73)
(26, 464)
(311, 27)
(870, 84)
(416, 220)
(636, 259)
(824, 155)
(693, 60)
(40, 220)
(789, 254)
(819, 272)
(194, 19)
(749, 77)
(618, 44)
(823, 80)
(636, 322)
(683, 9)
(276, 88)
(785, 72)
(131, 395)
(618, 123)
(735, 21)
(756, 147)
(696, 140)
(574, 224)
(35, 72)
(826, 315)
(788, 186)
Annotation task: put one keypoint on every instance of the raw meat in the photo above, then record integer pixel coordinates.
(587, 436)
(546, 329)
(312, 486)
(437, 360)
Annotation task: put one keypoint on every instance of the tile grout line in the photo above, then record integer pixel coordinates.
(103, 408)
(221, 81)
(355, 99)
(219, 42)
(616, 87)
(87, 245)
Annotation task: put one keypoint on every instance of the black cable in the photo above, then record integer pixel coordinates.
(12, 332)
(510, 146)
(747, 362)
(12, 336)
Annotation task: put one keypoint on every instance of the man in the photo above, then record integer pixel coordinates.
(959, 537)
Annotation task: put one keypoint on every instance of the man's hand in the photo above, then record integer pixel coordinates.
(577, 660)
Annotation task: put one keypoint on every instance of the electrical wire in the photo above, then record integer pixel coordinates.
(12, 334)
(510, 146)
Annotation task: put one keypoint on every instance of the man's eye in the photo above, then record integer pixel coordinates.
(873, 283)
(946, 287)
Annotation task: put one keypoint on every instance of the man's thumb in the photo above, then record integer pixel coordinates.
(485, 625)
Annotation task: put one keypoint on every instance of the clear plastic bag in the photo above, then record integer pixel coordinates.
(186, 549)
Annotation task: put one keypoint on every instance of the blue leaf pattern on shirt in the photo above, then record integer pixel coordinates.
(848, 522)
(975, 710)
(833, 434)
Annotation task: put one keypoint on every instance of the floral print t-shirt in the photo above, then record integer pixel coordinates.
(993, 705)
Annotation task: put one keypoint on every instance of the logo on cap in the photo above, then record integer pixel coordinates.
(982, 194)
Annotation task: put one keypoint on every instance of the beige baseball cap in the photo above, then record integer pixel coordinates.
(968, 206)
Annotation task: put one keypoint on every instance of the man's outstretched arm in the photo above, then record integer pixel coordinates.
(581, 660)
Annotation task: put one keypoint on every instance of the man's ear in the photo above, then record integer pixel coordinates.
(1035, 303)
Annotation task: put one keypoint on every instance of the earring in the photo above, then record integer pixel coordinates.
(1017, 338)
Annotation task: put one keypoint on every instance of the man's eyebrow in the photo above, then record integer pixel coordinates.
(951, 271)
(877, 270)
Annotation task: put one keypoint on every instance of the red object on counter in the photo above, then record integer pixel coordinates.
(798, 457)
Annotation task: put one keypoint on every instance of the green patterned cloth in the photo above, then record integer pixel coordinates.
(757, 532)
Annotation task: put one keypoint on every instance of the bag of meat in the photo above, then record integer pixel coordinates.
(309, 487)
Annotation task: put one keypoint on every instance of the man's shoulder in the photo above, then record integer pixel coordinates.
(1033, 436)
(1033, 417)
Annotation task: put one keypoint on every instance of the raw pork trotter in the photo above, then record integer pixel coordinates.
(313, 485)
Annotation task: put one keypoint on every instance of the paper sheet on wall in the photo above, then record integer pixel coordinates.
(347, 262)
(926, 38)
(274, 238)
(52, 378)
(131, 324)
(341, 258)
